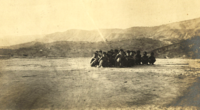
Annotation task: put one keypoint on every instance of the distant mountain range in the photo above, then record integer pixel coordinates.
(82, 43)
(170, 33)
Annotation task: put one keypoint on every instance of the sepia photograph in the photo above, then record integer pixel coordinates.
(99, 55)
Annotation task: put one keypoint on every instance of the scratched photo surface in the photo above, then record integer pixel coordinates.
(99, 54)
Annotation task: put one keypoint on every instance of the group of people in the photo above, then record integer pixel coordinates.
(120, 58)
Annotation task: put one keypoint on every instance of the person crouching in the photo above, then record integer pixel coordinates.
(132, 59)
(152, 59)
(145, 58)
(94, 61)
(120, 59)
(138, 58)
(128, 59)
(103, 61)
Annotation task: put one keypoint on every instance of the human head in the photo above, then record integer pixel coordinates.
(145, 53)
(127, 52)
(111, 50)
(122, 52)
(104, 54)
(100, 51)
(132, 53)
(95, 55)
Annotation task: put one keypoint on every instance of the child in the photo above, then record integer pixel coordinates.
(138, 58)
(145, 58)
(152, 59)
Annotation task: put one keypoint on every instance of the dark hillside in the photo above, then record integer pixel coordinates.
(189, 48)
(83, 49)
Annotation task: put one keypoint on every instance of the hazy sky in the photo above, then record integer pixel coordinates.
(39, 17)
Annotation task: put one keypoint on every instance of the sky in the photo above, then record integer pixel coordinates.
(39, 17)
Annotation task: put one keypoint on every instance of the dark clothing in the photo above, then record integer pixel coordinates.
(145, 59)
(152, 60)
(128, 61)
(117, 56)
(94, 62)
(138, 59)
(103, 62)
(120, 60)
(132, 61)
(111, 61)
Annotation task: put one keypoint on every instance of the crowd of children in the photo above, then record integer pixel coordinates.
(120, 58)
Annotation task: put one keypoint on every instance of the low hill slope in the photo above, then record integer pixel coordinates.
(189, 48)
(83, 49)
